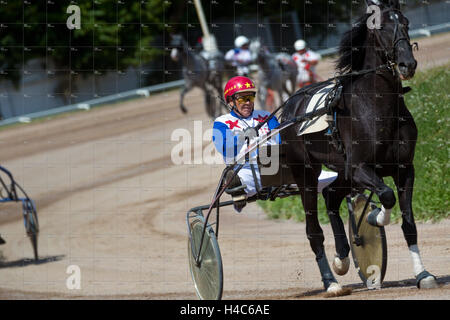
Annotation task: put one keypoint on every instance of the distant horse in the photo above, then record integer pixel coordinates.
(290, 71)
(198, 72)
(274, 73)
(216, 69)
(378, 135)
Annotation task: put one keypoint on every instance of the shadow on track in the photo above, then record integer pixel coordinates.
(26, 262)
(359, 287)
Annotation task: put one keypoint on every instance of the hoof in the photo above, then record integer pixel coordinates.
(183, 109)
(336, 290)
(426, 280)
(341, 267)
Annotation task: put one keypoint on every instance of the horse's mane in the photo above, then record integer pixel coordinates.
(352, 47)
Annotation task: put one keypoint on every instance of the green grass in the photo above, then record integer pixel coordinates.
(429, 103)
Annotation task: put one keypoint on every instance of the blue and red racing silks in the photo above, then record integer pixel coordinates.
(228, 132)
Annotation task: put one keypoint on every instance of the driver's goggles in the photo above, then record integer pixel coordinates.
(244, 99)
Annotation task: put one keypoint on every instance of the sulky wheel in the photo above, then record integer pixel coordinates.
(370, 250)
(207, 274)
(31, 226)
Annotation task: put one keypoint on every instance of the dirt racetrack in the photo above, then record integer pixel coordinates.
(111, 201)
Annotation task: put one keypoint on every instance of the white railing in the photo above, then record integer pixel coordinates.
(86, 105)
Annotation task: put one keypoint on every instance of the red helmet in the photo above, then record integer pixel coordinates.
(238, 84)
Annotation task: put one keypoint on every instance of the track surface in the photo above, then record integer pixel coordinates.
(111, 201)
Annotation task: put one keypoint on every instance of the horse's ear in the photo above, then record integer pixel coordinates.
(374, 2)
(394, 4)
(384, 3)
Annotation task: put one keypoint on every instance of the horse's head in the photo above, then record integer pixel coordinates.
(177, 43)
(259, 51)
(255, 45)
(392, 35)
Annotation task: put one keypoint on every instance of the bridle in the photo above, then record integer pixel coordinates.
(403, 36)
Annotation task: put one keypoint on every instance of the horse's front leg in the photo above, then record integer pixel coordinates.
(405, 184)
(366, 177)
(209, 103)
(187, 87)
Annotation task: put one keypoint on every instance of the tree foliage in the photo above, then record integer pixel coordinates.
(114, 34)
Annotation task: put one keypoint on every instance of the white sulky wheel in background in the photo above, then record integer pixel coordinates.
(208, 273)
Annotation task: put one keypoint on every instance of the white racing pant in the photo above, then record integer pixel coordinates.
(246, 176)
(304, 76)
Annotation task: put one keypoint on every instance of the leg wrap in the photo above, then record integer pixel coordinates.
(379, 217)
(325, 271)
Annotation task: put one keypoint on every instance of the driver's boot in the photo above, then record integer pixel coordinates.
(236, 190)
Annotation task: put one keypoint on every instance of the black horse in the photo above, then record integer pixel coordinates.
(199, 72)
(377, 135)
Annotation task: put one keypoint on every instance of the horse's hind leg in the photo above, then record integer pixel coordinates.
(366, 177)
(405, 183)
(209, 104)
(334, 194)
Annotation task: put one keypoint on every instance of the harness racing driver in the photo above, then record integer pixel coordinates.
(306, 61)
(229, 137)
(240, 57)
